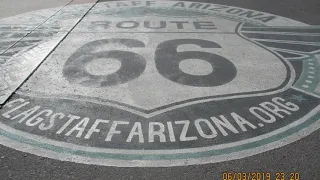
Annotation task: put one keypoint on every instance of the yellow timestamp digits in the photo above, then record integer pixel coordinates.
(260, 176)
(282, 176)
(246, 176)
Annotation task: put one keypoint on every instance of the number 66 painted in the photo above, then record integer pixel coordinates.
(167, 61)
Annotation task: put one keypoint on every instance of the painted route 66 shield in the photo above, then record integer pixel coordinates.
(149, 63)
(164, 83)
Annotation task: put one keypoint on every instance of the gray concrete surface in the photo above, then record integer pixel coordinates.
(11, 8)
(301, 156)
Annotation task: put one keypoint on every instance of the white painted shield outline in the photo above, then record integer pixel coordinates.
(147, 114)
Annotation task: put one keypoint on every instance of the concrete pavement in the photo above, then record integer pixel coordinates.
(45, 88)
